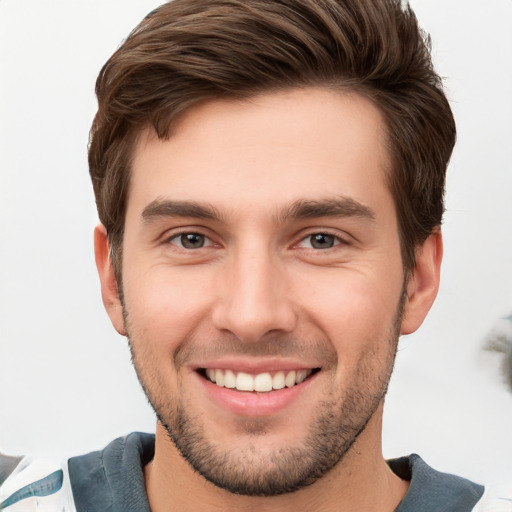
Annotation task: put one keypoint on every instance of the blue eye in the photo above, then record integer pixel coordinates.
(190, 240)
(322, 241)
(319, 241)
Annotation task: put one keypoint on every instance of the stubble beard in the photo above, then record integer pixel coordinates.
(339, 420)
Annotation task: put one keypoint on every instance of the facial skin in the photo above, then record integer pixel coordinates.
(262, 237)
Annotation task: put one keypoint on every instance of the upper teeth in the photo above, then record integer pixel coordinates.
(261, 382)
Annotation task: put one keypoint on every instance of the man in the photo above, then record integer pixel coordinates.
(269, 177)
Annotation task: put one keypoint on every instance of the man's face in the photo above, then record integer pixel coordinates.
(261, 249)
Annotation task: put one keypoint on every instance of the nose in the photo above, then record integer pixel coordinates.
(254, 297)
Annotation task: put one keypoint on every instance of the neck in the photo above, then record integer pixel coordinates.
(361, 481)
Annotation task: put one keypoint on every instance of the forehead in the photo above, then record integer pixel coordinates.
(267, 151)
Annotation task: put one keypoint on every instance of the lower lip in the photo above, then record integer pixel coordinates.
(246, 403)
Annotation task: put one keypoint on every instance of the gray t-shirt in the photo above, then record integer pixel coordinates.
(112, 480)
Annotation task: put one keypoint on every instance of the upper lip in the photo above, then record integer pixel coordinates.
(254, 366)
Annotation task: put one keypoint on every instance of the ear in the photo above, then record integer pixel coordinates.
(109, 290)
(423, 284)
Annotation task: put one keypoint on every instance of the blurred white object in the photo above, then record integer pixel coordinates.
(499, 340)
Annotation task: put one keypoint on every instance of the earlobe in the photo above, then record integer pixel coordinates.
(109, 291)
(423, 283)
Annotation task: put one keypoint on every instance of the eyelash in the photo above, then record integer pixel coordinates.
(207, 240)
(337, 240)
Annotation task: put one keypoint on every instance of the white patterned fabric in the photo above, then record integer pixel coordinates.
(37, 485)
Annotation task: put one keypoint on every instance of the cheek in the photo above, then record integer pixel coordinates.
(165, 306)
(352, 309)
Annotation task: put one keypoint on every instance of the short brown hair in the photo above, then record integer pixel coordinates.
(188, 51)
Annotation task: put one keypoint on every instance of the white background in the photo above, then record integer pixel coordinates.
(66, 383)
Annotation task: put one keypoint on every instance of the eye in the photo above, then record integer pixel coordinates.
(320, 241)
(190, 240)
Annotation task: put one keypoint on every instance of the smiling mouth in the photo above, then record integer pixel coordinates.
(260, 383)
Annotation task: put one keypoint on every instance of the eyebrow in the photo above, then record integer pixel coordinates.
(297, 210)
(160, 208)
(335, 207)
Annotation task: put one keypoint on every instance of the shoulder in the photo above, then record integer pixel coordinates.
(28, 483)
(113, 478)
(109, 479)
(432, 490)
